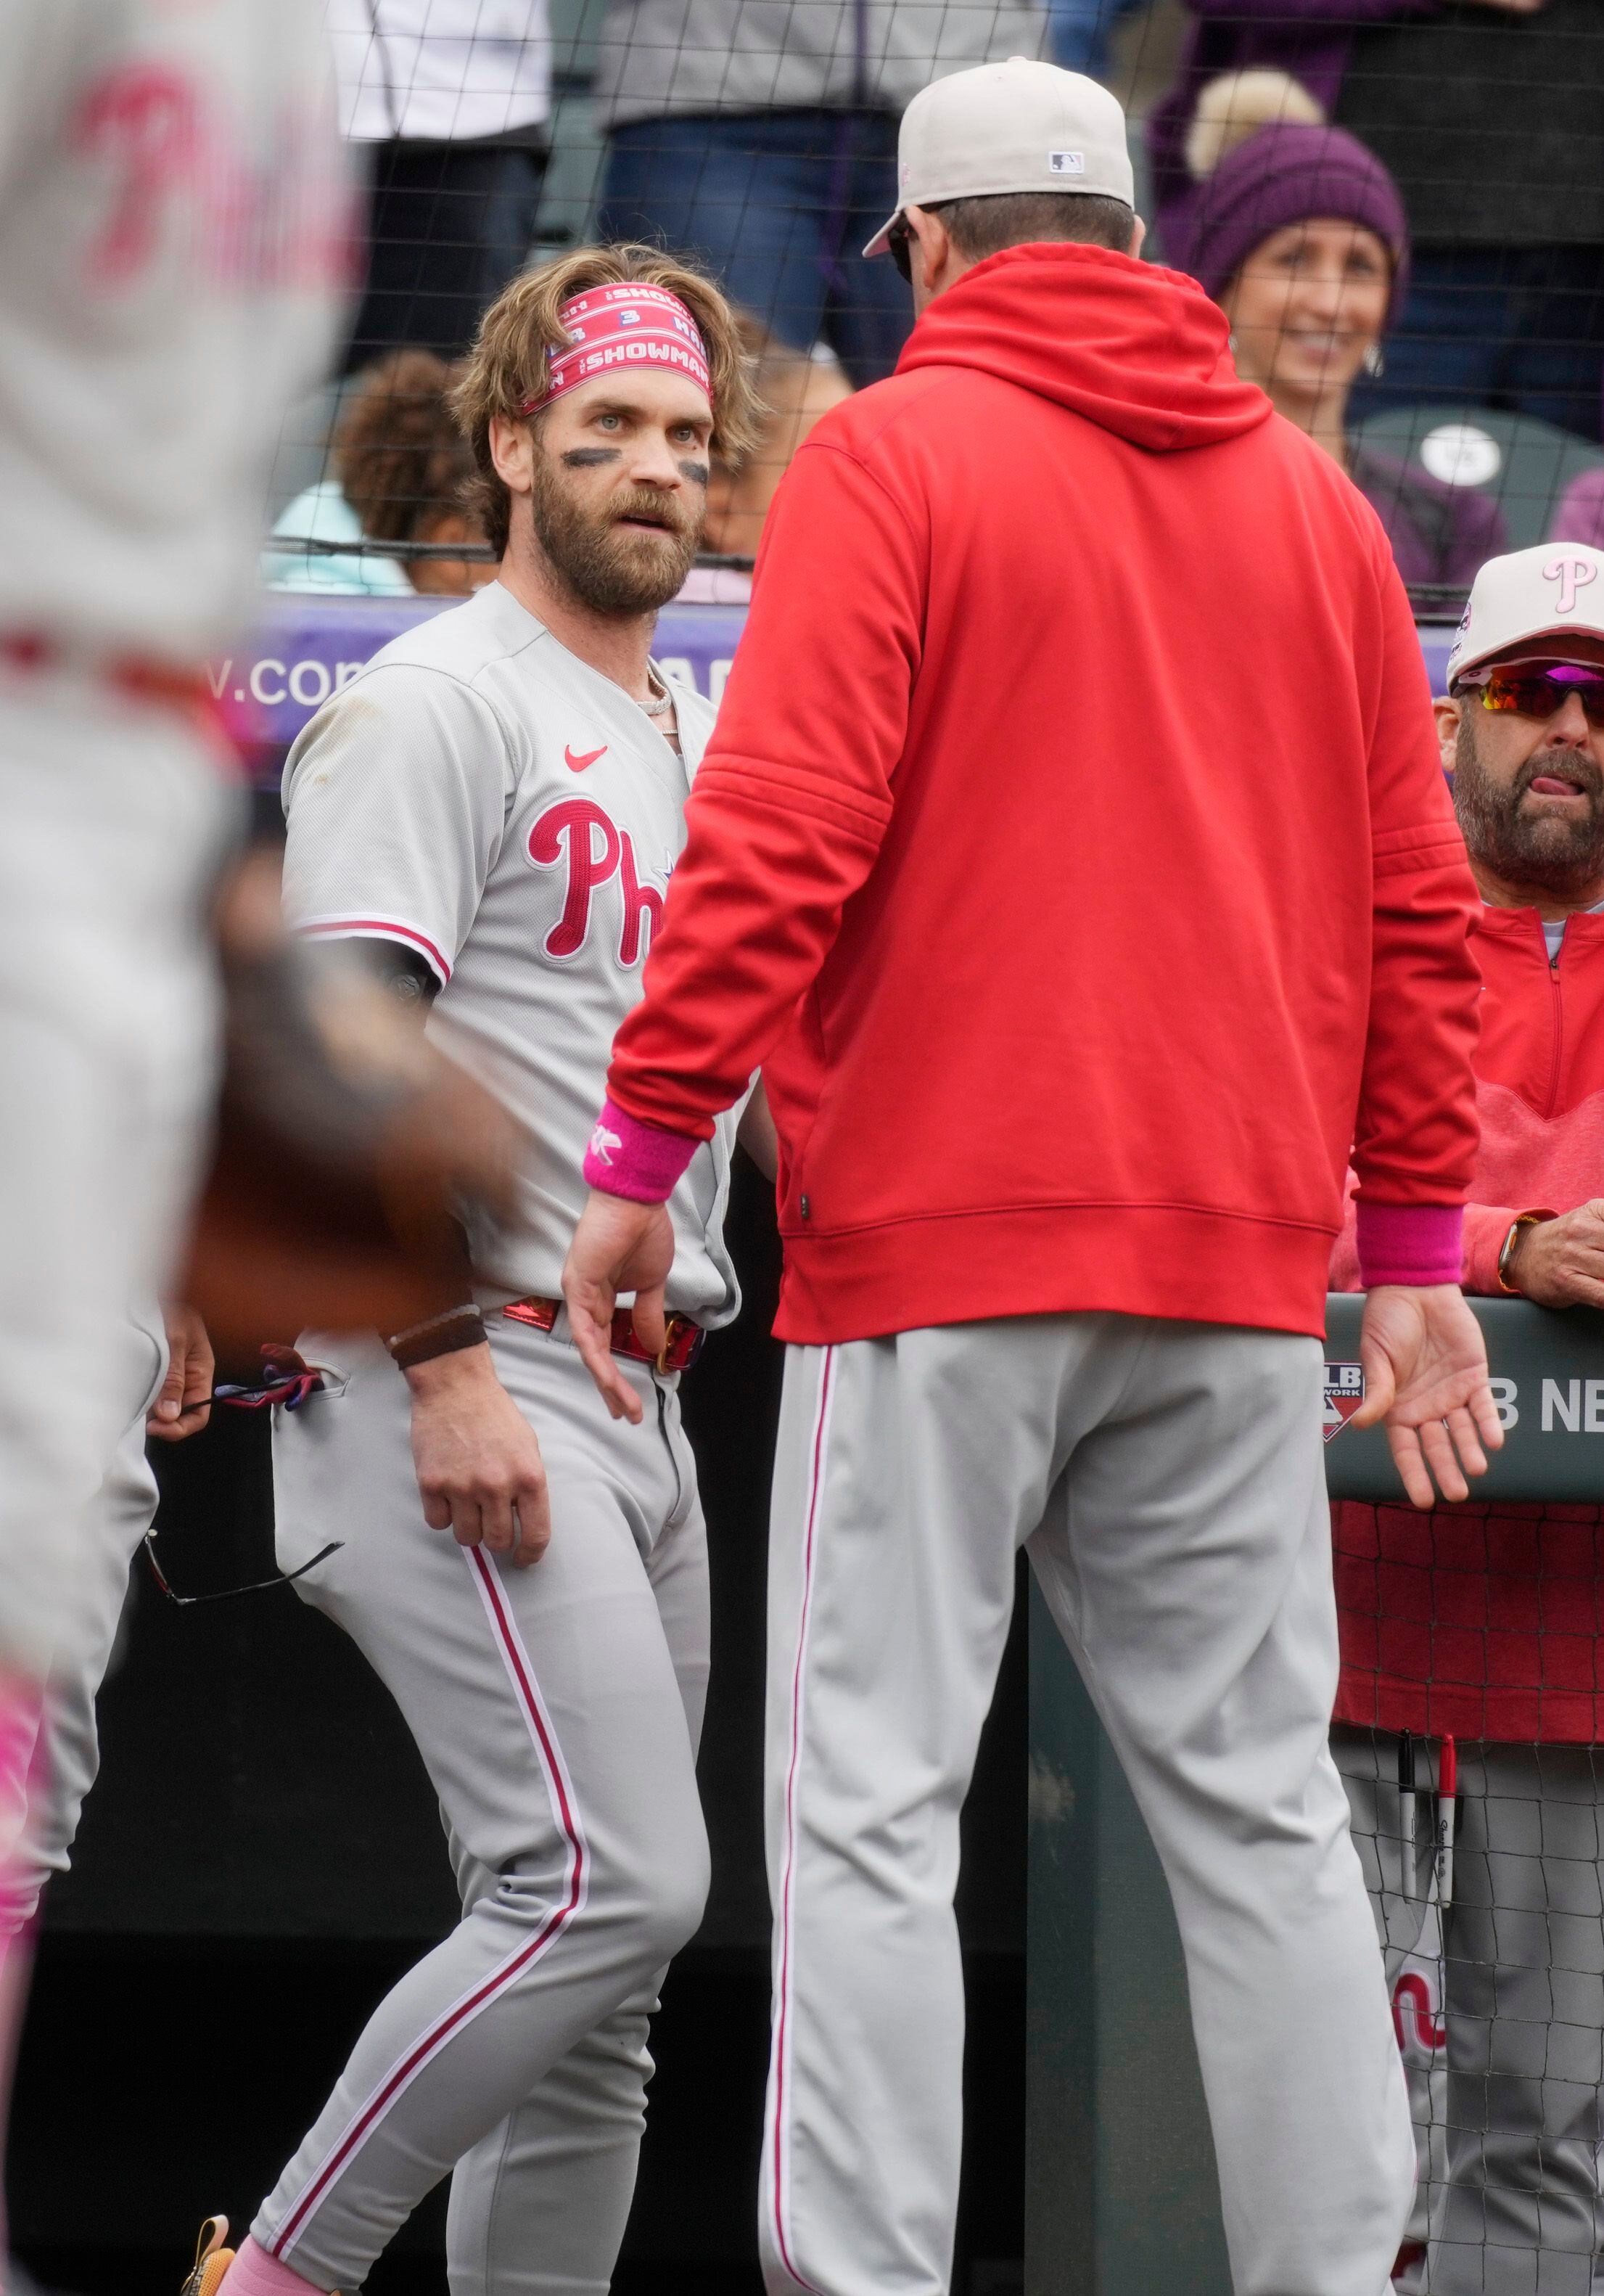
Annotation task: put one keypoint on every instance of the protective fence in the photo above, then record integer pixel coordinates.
(1466, 1741)
(1467, 1722)
(1398, 209)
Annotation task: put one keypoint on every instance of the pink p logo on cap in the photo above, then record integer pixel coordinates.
(1572, 574)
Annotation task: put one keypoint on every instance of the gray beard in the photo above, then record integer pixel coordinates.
(611, 570)
(1564, 858)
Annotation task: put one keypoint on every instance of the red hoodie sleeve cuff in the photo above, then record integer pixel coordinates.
(1409, 1243)
(642, 1162)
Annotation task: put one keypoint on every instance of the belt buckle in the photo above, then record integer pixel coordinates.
(680, 1330)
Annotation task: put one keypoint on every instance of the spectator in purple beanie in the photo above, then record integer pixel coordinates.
(1491, 116)
(1298, 233)
(1307, 39)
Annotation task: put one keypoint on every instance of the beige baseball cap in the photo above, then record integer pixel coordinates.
(1554, 590)
(1015, 126)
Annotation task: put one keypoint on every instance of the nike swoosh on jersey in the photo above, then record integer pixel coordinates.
(577, 765)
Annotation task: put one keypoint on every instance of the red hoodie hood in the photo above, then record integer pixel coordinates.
(1140, 350)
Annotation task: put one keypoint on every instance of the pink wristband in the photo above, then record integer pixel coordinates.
(1409, 1243)
(642, 1162)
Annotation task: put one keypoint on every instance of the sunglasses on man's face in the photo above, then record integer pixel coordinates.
(899, 239)
(1531, 693)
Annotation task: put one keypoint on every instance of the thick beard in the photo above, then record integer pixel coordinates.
(610, 569)
(1541, 851)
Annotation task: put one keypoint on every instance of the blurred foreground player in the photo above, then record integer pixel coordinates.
(170, 241)
(491, 809)
(168, 1369)
(164, 1367)
(1065, 654)
(1481, 1623)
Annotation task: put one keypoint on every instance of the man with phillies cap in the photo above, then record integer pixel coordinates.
(1481, 1626)
(1074, 856)
(491, 810)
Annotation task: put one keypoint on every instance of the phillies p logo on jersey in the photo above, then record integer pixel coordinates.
(579, 836)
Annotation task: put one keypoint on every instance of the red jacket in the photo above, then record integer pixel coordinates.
(1071, 851)
(1484, 1620)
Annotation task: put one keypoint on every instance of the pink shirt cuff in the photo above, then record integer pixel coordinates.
(1409, 1243)
(642, 1162)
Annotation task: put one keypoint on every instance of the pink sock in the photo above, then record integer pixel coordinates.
(255, 2272)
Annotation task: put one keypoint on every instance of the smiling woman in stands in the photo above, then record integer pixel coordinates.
(1299, 235)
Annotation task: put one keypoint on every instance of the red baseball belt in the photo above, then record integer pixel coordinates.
(678, 1353)
(161, 683)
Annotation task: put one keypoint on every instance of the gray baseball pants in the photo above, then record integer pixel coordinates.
(1166, 1479)
(118, 1519)
(116, 818)
(1517, 2119)
(557, 1710)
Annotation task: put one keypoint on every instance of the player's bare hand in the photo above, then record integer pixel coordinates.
(480, 1474)
(1559, 1263)
(183, 1405)
(618, 1246)
(1425, 1378)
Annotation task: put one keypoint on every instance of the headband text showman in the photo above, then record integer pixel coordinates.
(624, 326)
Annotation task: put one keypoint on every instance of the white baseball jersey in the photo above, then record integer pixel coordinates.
(174, 244)
(479, 794)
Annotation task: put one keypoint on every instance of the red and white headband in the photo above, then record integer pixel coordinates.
(616, 328)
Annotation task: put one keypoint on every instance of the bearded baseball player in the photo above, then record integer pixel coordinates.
(172, 242)
(494, 806)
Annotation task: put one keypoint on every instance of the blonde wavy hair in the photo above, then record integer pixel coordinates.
(509, 363)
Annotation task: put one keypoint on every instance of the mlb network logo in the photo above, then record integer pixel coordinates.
(1344, 1393)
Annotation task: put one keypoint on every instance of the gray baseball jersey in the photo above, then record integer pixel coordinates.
(481, 795)
(174, 239)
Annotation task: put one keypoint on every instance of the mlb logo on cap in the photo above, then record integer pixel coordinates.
(1015, 126)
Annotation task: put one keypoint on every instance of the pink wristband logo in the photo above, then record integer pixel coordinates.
(641, 1161)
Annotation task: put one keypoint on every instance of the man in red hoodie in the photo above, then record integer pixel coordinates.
(1482, 1623)
(1073, 854)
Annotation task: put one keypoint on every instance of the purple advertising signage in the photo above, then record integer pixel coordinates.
(305, 646)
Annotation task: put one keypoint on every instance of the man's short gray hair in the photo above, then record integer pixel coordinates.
(987, 226)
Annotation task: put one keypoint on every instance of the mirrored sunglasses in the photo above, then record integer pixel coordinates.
(290, 1382)
(1532, 692)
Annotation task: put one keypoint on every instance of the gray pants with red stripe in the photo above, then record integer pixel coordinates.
(1166, 1480)
(557, 1710)
(1503, 2038)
